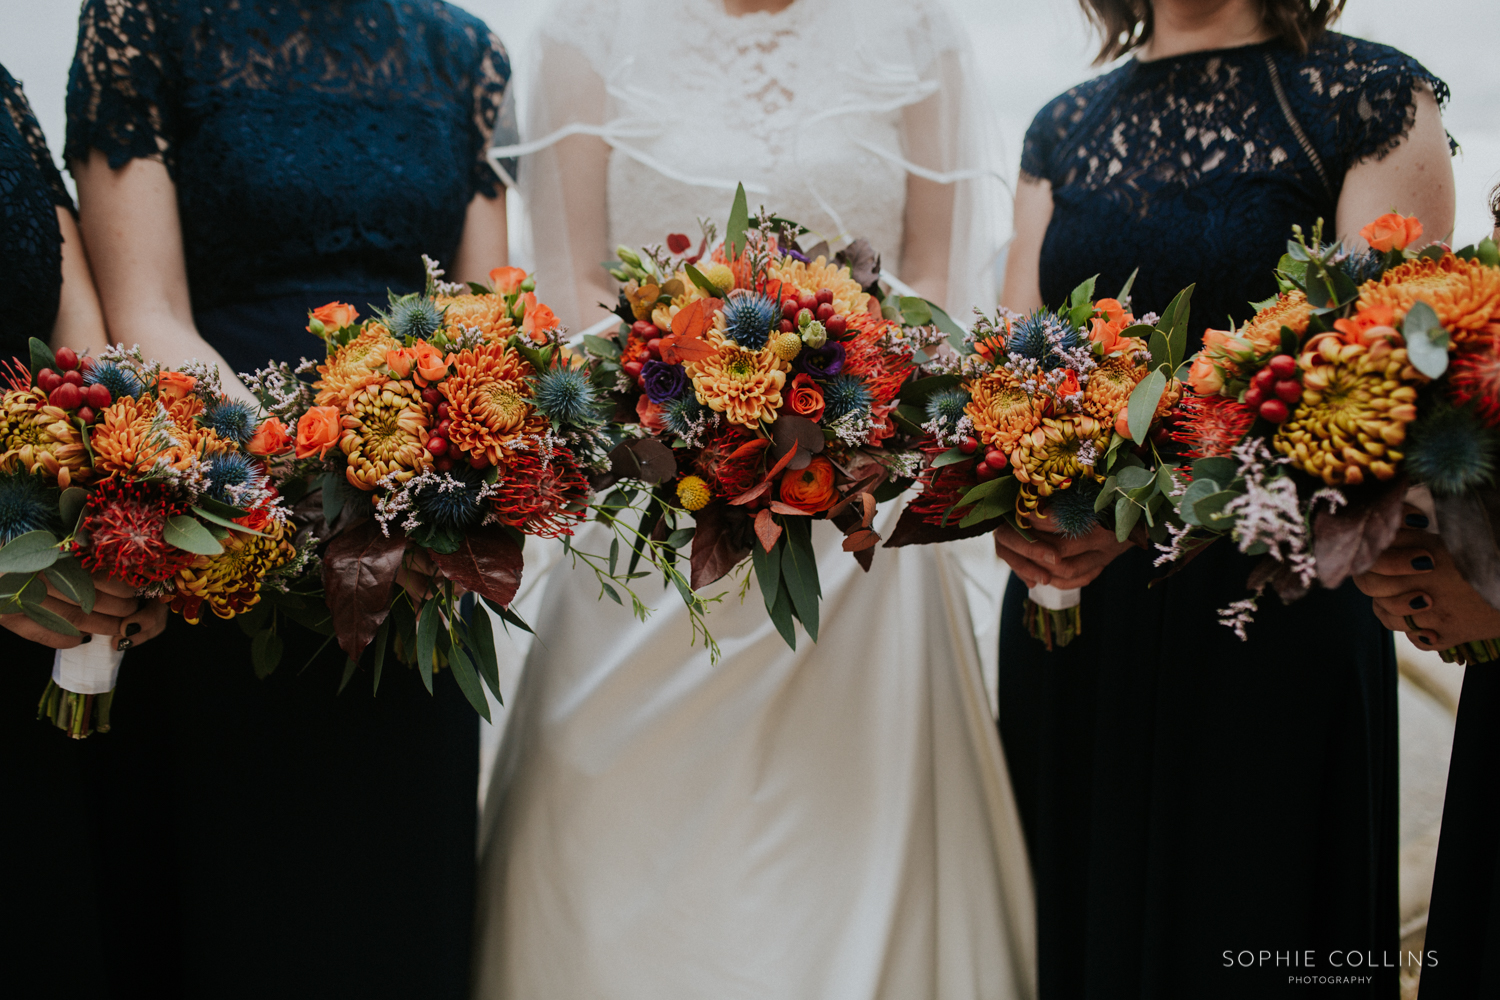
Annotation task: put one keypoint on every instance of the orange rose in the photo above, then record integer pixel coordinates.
(1205, 376)
(806, 399)
(1367, 326)
(317, 431)
(270, 438)
(1392, 232)
(173, 386)
(650, 415)
(538, 319)
(1105, 330)
(334, 316)
(431, 365)
(810, 489)
(400, 360)
(507, 279)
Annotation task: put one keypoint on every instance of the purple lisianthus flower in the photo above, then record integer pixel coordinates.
(822, 362)
(663, 382)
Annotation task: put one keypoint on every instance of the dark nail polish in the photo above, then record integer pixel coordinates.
(87, 637)
(125, 644)
(1422, 563)
(1424, 640)
(132, 628)
(1417, 520)
(1418, 603)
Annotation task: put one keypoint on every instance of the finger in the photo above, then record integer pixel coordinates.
(107, 604)
(113, 586)
(1413, 518)
(1396, 623)
(71, 613)
(143, 626)
(28, 629)
(1403, 562)
(1427, 639)
(1410, 604)
(1030, 573)
(1378, 586)
(1040, 551)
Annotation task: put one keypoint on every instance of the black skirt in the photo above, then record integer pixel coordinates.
(1207, 817)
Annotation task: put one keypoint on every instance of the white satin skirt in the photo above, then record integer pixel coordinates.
(834, 823)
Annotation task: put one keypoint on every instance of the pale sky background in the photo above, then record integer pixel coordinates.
(1028, 51)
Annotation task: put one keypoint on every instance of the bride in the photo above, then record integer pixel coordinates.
(834, 822)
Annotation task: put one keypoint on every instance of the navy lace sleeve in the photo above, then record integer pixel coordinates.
(120, 87)
(31, 190)
(494, 116)
(1050, 128)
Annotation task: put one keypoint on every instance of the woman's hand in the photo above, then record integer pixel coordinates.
(1052, 558)
(417, 576)
(1418, 590)
(117, 614)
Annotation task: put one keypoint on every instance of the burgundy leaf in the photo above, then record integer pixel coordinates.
(785, 508)
(788, 432)
(1469, 534)
(913, 529)
(1349, 540)
(767, 530)
(359, 569)
(753, 493)
(861, 539)
(488, 562)
(722, 540)
(646, 459)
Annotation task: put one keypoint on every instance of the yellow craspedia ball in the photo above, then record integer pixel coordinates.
(693, 493)
(787, 346)
(721, 277)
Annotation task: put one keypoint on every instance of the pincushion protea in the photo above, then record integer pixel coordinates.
(542, 494)
(124, 523)
(385, 431)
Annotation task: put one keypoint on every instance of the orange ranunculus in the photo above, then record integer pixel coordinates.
(317, 431)
(650, 415)
(399, 360)
(806, 398)
(173, 386)
(507, 279)
(538, 320)
(431, 365)
(334, 316)
(810, 489)
(1392, 232)
(270, 438)
(1205, 377)
(1368, 325)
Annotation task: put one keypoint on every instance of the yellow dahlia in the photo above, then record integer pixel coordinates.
(1291, 310)
(39, 437)
(1465, 294)
(1356, 402)
(385, 431)
(848, 297)
(485, 313)
(1049, 459)
(489, 402)
(124, 440)
(743, 385)
(354, 366)
(229, 582)
(1002, 411)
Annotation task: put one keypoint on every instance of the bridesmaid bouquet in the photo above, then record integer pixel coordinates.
(1059, 415)
(436, 436)
(1372, 380)
(147, 474)
(756, 389)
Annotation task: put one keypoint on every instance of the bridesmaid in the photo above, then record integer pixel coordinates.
(238, 164)
(1200, 809)
(1431, 602)
(48, 294)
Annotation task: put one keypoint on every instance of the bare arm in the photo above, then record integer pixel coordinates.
(80, 324)
(134, 240)
(583, 165)
(927, 223)
(1033, 213)
(1416, 178)
(484, 245)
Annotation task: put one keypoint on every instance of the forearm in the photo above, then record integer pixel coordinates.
(80, 323)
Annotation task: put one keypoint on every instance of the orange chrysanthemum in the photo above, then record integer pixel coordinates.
(743, 385)
(489, 402)
(354, 366)
(385, 431)
(128, 439)
(39, 437)
(485, 313)
(229, 583)
(1291, 310)
(1002, 411)
(795, 276)
(1110, 386)
(1048, 460)
(1465, 294)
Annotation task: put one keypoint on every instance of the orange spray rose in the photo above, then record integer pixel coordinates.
(174, 385)
(270, 438)
(1392, 232)
(507, 279)
(431, 365)
(539, 318)
(400, 360)
(806, 398)
(318, 431)
(334, 316)
(810, 489)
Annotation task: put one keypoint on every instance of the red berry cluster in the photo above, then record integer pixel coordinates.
(1275, 389)
(67, 391)
(645, 331)
(799, 310)
(993, 463)
(446, 456)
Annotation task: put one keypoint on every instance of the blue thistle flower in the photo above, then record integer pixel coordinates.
(748, 318)
(1363, 265)
(946, 408)
(413, 317)
(844, 394)
(1451, 451)
(26, 504)
(230, 419)
(681, 413)
(454, 502)
(1073, 508)
(119, 381)
(565, 395)
(1042, 337)
(226, 472)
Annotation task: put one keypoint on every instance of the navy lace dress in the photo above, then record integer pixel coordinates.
(270, 838)
(1194, 803)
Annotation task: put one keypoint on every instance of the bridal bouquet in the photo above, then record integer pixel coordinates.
(149, 475)
(1372, 380)
(435, 438)
(756, 389)
(1058, 415)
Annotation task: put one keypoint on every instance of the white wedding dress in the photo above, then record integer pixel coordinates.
(834, 823)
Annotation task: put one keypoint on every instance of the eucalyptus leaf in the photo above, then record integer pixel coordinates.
(225, 522)
(265, 653)
(486, 660)
(1218, 468)
(1106, 492)
(781, 614)
(613, 594)
(186, 533)
(1210, 510)
(333, 500)
(1199, 489)
(379, 642)
(602, 348)
(1127, 513)
(799, 569)
(29, 553)
(702, 282)
(350, 666)
(468, 680)
(950, 457)
(1124, 293)
(1142, 406)
(949, 326)
(681, 538)
(767, 566)
(220, 508)
(41, 357)
(428, 624)
(1426, 340)
(70, 507)
(915, 311)
(1134, 477)
(74, 582)
(46, 619)
(1488, 253)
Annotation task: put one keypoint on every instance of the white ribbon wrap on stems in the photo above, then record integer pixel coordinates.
(1044, 595)
(87, 669)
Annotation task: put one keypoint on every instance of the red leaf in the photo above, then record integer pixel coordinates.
(913, 529)
(767, 530)
(860, 540)
(749, 448)
(717, 545)
(695, 319)
(789, 431)
(359, 570)
(675, 351)
(488, 562)
(781, 463)
(868, 499)
(678, 242)
(753, 493)
(786, 508)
